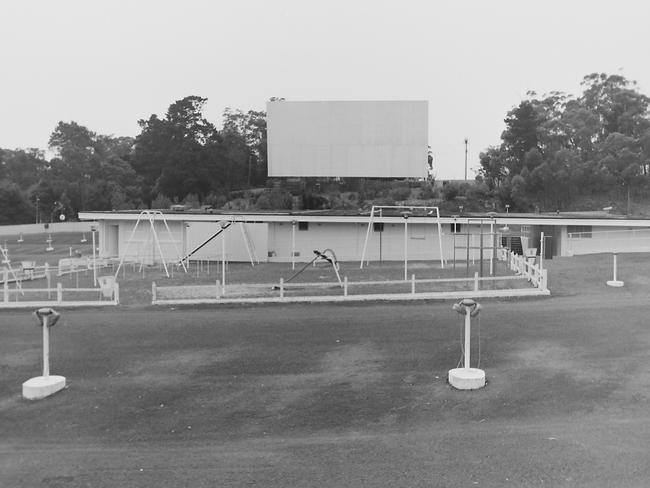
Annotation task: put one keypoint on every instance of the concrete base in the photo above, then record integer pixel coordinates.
(41, 387)
(615, 283)
(467, 378)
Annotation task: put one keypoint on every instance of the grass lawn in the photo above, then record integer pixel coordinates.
(339, 395)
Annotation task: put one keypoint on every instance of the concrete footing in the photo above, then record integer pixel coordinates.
(467, 378)
(42, 386)
(616, 283)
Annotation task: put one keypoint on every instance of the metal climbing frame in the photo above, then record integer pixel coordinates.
(405, 211)
(481, 247)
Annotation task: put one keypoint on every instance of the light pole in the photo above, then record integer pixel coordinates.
(466, 140)
(37, 200)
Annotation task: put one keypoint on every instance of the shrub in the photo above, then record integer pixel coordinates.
(400, 193)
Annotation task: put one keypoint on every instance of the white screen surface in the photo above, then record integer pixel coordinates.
(348, 139)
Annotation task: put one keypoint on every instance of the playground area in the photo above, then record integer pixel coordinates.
(332, 395)
(68, 266)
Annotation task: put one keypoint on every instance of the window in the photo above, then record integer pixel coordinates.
(579, 231)
(455, 228)
(416, 231)
(303, 225)
(378, 226)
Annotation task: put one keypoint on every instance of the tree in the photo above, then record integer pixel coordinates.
(22, 166)
(179, 154)
(618, 105)
(15, 208)
(251, 127)
(92, 171)
(493, 167)
(521, 134)
(559, 149)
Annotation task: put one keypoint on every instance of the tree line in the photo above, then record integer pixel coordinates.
(562, 152)
(557, 152)
(177, 157)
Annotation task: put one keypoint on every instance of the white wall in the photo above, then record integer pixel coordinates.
(347, 240)
(236, 249)
(605, 239)
(348, 139)
(116, 240)
(273, 241)
(143, 246)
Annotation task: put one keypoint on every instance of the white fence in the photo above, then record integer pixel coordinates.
(18, 296)
(412, 289)
(527, 268)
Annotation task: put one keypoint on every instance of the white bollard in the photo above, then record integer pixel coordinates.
(45, 385)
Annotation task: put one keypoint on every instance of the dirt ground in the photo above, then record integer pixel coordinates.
(340, 395)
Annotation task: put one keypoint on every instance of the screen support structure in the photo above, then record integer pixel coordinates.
(405, 211)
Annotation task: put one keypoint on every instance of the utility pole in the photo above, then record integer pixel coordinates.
(466, 159)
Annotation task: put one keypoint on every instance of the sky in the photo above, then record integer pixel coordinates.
(106, 64)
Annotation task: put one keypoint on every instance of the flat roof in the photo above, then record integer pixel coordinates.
(362, 217)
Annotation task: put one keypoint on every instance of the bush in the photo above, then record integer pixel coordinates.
(161, 202)
(276, 199)
(384, 201)
(191, 201)
(427, 192)
(450, 191)
(313, 201)
(400, 193)
(215, 200)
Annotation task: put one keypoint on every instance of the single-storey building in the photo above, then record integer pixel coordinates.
(284, 236)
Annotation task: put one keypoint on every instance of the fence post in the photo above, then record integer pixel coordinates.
(153, 293)
(5, 277)
(59, 292)
(345, 286)
(48, 277)
(475, 280)
(281, 287)
(413, 284)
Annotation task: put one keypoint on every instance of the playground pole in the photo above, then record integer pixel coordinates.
(223, 260)
(467, 338)
(492, 248)
(94, 259)
(405, 247)
(46, 348)
(293, 244)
